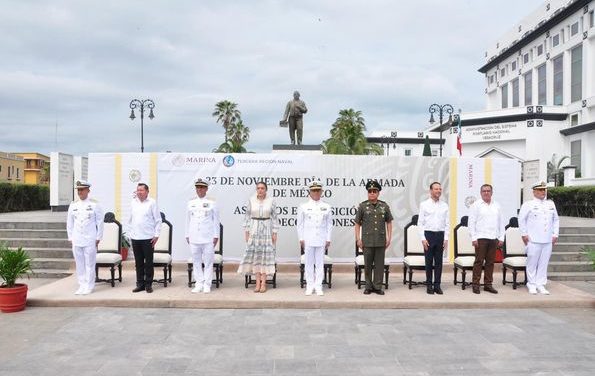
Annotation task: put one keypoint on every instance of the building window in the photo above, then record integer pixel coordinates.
(575, 154)
(574, 29)
(526, 58)
(505, 96)
(541, 86)
(591, 19)
(558, 81)
(513, 66)
(434, 153)
(529, 88)
(18, 173)
(502, 72)
(515, 92)
(408, 152)
(576, 74)
(540, 50)
(555, 40)
(573, 120)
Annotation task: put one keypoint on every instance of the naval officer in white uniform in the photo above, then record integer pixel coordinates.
(202, 234)
(314, 226)
(539, 225)
(84, 226)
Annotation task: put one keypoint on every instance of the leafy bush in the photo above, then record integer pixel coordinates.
(23, 197)
(574, 201)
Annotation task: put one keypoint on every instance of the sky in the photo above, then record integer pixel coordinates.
(69, 69)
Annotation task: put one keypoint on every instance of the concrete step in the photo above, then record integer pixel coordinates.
(33, 225)
(571, 246)
(577, 238)
(50, 273)
(577, 230)
(51, 263)
(33, 233)
(36, 243)
(571, 276)
(570, 266)
(63, 253)
(569, 256)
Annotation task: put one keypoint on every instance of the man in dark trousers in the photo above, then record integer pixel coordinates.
(373, 233)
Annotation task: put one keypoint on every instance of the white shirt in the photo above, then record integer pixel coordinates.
(486, 221)
(84, 223)
(433, 216)
(145, 220)
(314, 223)
(202, 221)
(539, 220)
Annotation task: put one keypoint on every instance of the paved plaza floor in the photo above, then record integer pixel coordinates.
(150, 341)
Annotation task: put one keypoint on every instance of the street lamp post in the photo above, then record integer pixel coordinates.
(441, 110)
(141, 104)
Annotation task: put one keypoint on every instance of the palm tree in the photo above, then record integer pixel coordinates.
(237, 132)
(347, 136)
(226, 113)
(554, 168)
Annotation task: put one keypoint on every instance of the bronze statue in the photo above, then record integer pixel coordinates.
(294, 112)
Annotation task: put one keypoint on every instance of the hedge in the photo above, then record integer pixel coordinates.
(574, 201)
(23, 197)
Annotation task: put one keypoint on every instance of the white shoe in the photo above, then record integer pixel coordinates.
(197, 288)
(86, 291)
(308, 291)
(319, 292)
(79, 291)
(206, 290)
(542, 290)
(532, 290)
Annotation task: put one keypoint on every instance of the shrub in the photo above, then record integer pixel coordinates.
(574, 201)
(23, 197)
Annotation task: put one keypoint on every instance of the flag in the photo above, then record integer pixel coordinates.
(459, 137)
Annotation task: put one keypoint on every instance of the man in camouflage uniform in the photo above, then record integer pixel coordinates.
(373, 233)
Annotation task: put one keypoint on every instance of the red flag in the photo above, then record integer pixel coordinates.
(459, 138)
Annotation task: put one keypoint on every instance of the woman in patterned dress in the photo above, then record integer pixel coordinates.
(260, 226)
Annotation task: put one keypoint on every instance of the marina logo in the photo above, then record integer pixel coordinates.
(134, 176)
(469, 200)
(178, 160)
(228, 161)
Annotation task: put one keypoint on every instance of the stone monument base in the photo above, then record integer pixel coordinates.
(297, 149)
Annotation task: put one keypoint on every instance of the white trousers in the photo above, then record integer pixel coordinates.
(538, 257)
(202, 254)
(314, 265)
(85, 258)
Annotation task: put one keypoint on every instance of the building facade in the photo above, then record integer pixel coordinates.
(36, 168)
(11, 168)
(406, 144)
(540, 93)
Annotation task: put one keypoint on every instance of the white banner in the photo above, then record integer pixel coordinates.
(233, 177)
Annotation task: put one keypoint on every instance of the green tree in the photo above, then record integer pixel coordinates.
(226, 113)
(554, 169)
(237, 136)
(347, 136)
(427, 150)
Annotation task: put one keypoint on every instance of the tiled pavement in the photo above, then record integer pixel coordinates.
(148, 341)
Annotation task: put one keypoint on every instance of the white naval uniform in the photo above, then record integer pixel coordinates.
(314, 226)
(202, 227)
(538, 219)
(84, 225)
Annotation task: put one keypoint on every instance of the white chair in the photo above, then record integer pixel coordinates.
(464, 252)
(162, 251)
(217, 263)
(108, 250)
(414, 255)
(514, 253)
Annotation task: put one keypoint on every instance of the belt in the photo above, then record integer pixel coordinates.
(260, 219)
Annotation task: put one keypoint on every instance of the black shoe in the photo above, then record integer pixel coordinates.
(379, 291)
(490, 289)
(367, 291)
(430, 290)
(438, 290)
(149, 289)
(476, 290)
(139, 289)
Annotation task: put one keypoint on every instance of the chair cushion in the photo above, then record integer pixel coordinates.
(359, 260)
(108, 258)
(161, 258)
(465, 261)
(519, 261)
(414, 260)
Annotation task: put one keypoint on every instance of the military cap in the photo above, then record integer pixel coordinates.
(81, 184)
(315, 185)
(540, 185)
(201, 183)
(373, 184)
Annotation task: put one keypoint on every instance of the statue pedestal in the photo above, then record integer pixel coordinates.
(297, 149)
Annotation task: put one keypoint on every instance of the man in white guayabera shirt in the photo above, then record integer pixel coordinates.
(202, 234)
(144, 227)
(84, 225)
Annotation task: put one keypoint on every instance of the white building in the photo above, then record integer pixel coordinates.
(406, 143)
(540, 93)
